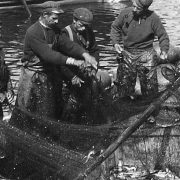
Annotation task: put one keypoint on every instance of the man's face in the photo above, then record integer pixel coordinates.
(51, 20)
(79, 26)
(137, 10)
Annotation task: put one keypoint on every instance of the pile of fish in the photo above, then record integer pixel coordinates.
(127, 172)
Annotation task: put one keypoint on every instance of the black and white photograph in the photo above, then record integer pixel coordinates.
(90, 90)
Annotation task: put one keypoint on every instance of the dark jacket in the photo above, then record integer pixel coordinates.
(37, 43)
(40, 82)
(86, 40)
(139, 33)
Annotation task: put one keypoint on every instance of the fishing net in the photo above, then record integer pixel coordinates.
(133, 66)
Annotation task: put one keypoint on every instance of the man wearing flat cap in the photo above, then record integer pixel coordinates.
(40, 82)
(81, 32)
(80, 82)
(132, 34)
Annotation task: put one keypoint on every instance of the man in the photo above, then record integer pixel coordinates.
(40, 82)
(82, 83)
(80, 31)
(135, 28)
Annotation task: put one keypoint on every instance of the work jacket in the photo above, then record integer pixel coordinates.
(138, 32)
(40, 81)
(38, 42)
(85, 39)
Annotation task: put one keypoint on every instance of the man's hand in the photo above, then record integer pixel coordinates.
(90, 59)
(78, 63)
(77, 81)
(163, 55)
(74, 62)
(118, 48)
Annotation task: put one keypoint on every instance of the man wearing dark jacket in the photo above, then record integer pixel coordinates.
(81, 83)
(132, 34)
(40, 82)
(81, 32)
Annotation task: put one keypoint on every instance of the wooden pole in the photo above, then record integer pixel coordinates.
(27, 8)
(129, 131)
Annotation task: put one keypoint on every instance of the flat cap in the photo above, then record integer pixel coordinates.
(56, 9)
(84, 15)
(144, 3)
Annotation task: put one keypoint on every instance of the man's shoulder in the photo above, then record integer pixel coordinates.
(34, 28)
(153, 15)
(65, 28)
(69, 32)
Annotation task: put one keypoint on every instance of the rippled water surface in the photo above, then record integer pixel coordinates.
(15, 23)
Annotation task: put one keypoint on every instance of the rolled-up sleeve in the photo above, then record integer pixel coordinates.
(44, 52)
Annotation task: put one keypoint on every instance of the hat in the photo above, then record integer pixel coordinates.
(53, 9)
(144, 3)
(84, 15)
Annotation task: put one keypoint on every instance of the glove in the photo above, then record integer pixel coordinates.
(90, 59)
(77, 81)
(118, 48)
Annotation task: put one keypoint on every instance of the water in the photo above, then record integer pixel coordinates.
(15, 23)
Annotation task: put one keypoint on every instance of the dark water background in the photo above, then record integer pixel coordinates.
(15, 23)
